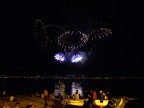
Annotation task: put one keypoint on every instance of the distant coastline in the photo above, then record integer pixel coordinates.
(67, 77)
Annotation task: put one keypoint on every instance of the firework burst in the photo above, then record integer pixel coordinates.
(72, 39)
(53, 35)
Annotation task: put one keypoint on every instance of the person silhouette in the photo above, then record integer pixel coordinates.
(76, 95)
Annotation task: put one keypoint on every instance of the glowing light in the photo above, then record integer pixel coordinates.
(101, 104)
(60, 57)
(76, 58)
(76, 102)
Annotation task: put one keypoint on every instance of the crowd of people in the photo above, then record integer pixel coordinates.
(89, 98)
(92, 95)
(29, 105)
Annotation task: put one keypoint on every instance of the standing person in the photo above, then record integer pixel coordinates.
(100, 96)
(91, 92)
(94, 95)
(90, 100)
(88, 103)
(45, 97)
(85, 94)
(108, 95)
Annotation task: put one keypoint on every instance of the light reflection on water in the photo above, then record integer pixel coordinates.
(118, 87)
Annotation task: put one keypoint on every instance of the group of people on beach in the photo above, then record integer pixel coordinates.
(89, 97)
(17, 105)
(92, 95)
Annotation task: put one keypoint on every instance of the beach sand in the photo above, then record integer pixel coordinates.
(38, 102)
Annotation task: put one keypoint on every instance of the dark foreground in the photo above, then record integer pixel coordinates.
(56, 103)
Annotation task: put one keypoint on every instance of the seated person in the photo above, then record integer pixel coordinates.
(29, 105)
(17, 105)
(111, 104)
(37, 94)
(76, 95)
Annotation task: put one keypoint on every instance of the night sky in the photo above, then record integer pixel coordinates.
(118, 55)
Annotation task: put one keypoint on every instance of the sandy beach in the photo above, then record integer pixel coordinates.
(38, 102)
